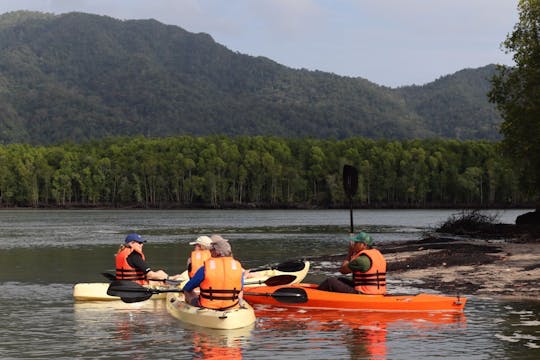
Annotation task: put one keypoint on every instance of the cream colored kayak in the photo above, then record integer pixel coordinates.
(98, 292)
(214, 319)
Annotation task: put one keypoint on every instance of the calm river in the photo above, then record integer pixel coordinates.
(44, 253)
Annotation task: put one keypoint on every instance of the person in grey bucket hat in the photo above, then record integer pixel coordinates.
(220, 280)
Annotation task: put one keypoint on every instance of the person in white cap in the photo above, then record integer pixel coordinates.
(199, 255)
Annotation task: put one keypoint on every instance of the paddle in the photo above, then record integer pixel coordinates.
(286, 266)
(129, 291)
(350, 185)
(112, 277)
(285, 295)
(274, 280)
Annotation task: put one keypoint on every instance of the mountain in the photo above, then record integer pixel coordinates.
(76, 76)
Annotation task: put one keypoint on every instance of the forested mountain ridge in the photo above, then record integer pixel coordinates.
(75, 76)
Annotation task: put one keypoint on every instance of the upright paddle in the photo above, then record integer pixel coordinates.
(129, 291)
(350, 185)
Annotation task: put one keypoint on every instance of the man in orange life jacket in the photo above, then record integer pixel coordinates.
(220, 279)
(131, 263)
(367, 266)
(199, 255)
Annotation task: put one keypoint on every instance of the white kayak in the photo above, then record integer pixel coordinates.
(235, 318)
(98, 291)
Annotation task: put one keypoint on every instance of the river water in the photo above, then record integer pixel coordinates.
(44, 253)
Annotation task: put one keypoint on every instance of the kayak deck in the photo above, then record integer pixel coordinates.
(310, 297)
(98, 292)
(235, 318)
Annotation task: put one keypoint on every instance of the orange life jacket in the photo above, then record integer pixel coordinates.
(222, 283)
(372, 281)
(198, 257)
(124, 271)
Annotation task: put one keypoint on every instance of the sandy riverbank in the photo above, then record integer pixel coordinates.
(494, 268)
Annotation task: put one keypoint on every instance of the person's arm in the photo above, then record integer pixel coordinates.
(344, 269)
(195, 281)
(135, 260)
(159, 275)
(361, 263)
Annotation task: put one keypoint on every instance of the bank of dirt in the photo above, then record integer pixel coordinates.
(505, 266)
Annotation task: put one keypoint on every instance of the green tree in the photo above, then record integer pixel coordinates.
(516, 92)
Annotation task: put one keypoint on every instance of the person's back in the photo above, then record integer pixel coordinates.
(220, 279)
(222, 283)
(126, 271)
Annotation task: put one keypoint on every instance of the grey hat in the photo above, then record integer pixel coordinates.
(221, 246)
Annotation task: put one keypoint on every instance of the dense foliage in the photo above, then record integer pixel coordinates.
(516, 91)
(220, 171)
(77, 77)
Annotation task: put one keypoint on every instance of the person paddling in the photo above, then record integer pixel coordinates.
(131, 263)
(220, 279)
(367, 265)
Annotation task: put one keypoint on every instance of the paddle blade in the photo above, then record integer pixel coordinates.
(350, 180)
(130, 300)
(290, 295)
(274, 280)
(291, 266)
(129, 291)
(285, 295)
(286, 266)
(109, 276)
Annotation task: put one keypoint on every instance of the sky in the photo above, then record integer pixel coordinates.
(389, 42)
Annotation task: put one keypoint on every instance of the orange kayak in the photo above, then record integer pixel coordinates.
(307, 296)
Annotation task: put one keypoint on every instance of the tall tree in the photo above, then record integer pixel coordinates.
(516, 92)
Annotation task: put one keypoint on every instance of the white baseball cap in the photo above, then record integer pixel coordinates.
(204, 241)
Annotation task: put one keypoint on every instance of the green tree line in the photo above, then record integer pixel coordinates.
(219, 171)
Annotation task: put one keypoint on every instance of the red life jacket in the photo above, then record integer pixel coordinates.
(222, 283)
(124, 271)
(198, 257)
(372, 281)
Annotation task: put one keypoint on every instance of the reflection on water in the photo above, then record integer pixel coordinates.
(51, 251)
(362, 334)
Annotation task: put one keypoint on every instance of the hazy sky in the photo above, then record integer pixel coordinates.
(389, 42)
